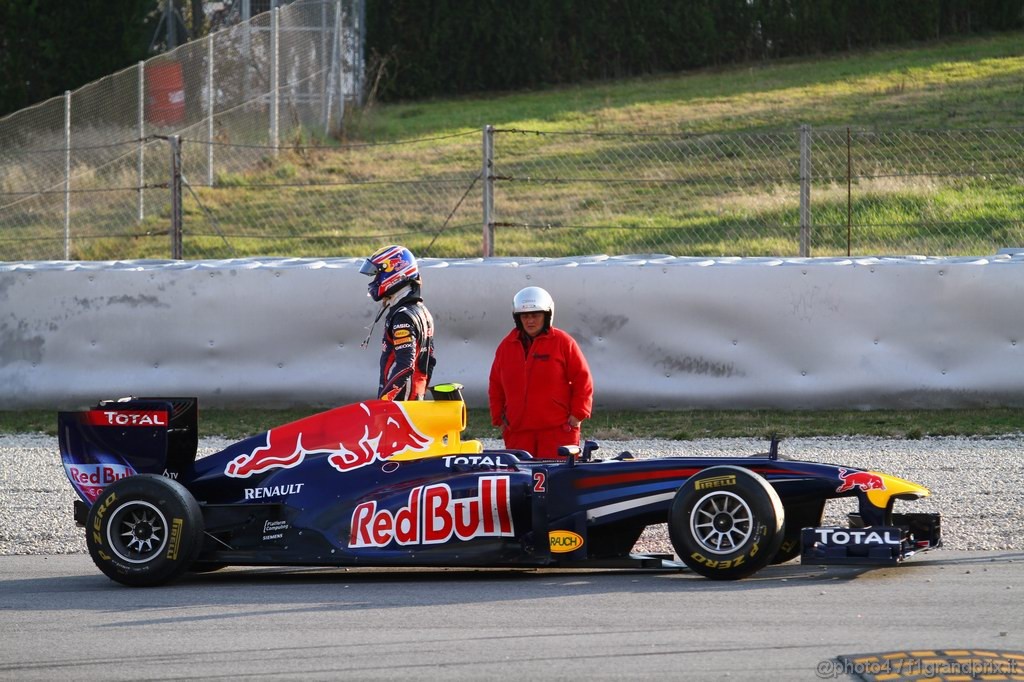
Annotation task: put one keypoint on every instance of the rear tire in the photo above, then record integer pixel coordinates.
(144, 530)
(726, 523)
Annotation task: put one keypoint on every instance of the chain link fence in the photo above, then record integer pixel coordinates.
(87, 175)
(340, 201)
(231, 169)
(801, 192)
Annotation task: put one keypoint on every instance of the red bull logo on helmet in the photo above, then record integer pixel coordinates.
(433, 516)
(864, 480)
(351, 437)
(390, 263)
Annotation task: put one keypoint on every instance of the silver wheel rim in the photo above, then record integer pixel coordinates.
(721, 522)
(137, 532)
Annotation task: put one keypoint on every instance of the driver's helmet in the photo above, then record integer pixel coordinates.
(392, 268)
(533, 300)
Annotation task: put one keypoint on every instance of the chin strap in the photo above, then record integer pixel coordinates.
(384, 304)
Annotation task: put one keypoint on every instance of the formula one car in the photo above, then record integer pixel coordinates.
(382, 483)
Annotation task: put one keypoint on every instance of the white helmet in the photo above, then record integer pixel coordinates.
(533, 300)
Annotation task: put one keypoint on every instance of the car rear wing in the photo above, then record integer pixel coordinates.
(118, 438)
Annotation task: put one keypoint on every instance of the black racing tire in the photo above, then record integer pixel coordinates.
(144, 530)
(798, 516)
(726, 523)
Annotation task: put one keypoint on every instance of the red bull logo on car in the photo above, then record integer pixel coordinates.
(90, 479)
(433, 516)
(864, 480)
(351, 437)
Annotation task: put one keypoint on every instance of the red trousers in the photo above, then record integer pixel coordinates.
(542, 443)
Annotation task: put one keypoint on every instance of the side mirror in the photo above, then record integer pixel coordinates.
(451, 391)
(570, 452)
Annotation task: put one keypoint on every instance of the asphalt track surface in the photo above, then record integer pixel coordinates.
(60, 619)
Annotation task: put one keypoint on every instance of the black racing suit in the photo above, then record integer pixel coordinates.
(407, 352)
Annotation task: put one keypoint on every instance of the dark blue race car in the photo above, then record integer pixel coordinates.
(382, 483)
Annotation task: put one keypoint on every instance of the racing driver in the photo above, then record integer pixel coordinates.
(407, 352)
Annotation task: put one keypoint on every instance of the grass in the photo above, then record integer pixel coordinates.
(867, 85)
(974, 82)
(673, 425)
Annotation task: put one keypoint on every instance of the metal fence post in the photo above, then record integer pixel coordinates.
(275, 44)
(67, 175)
(212, 101)
(345, 19)
(805, 191)
(359, 58)
(176, 233)
(332, 72)
(361, 54)
(322, 60)
(487, 173)
(849, 193)
(141, 199)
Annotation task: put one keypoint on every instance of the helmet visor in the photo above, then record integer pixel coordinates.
(369, 268)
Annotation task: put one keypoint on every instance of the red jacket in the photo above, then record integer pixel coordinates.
(539, 388)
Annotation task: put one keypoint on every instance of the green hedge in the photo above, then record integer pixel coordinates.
(442, 47)
(49, 46)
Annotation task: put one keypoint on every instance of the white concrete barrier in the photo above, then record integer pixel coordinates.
(658, 331)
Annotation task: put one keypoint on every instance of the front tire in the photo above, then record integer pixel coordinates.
(144, 530)
(726, 523)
